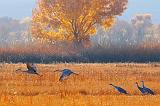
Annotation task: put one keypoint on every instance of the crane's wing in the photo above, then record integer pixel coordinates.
(28, 66)
(31, 67)
(122, 90)
(69, 71)
(62, 77)
(34, 67)
(149, 91)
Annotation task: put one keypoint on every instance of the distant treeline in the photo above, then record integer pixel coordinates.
(85, 57)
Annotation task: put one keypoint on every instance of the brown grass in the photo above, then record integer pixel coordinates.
(90, 88)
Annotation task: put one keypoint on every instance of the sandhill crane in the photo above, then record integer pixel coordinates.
(147, 90)
(140, 88)
(32, 69)
(65, 73)
(119, 89)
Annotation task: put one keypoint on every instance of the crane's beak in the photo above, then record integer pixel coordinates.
(57, 71)
(18, 70)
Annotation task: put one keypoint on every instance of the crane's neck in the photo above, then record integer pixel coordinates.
(25, 71)
(114, 86)
(143, 84)
(137, 85)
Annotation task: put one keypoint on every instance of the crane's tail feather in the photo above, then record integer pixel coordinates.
(128, 94)
(20, 70)
(75, 73)
(39, 74)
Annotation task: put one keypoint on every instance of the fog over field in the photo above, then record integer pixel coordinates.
(139, 31)
(140, 36)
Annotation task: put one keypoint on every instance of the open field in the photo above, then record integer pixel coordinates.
(90, 88)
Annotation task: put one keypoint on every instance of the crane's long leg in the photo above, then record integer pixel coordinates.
(75, 73)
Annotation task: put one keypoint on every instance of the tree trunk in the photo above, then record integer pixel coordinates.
(81, 45)
(78, 45)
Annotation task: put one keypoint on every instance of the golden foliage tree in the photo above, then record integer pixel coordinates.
(74, 20)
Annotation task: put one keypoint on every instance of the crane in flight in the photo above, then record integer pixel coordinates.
(31, 69)
(65, 73)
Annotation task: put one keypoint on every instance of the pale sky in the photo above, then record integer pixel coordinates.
(21, 8)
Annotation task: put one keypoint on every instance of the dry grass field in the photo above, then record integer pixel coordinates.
(90, 88)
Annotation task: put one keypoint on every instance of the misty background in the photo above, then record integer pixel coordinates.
(135, 37)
